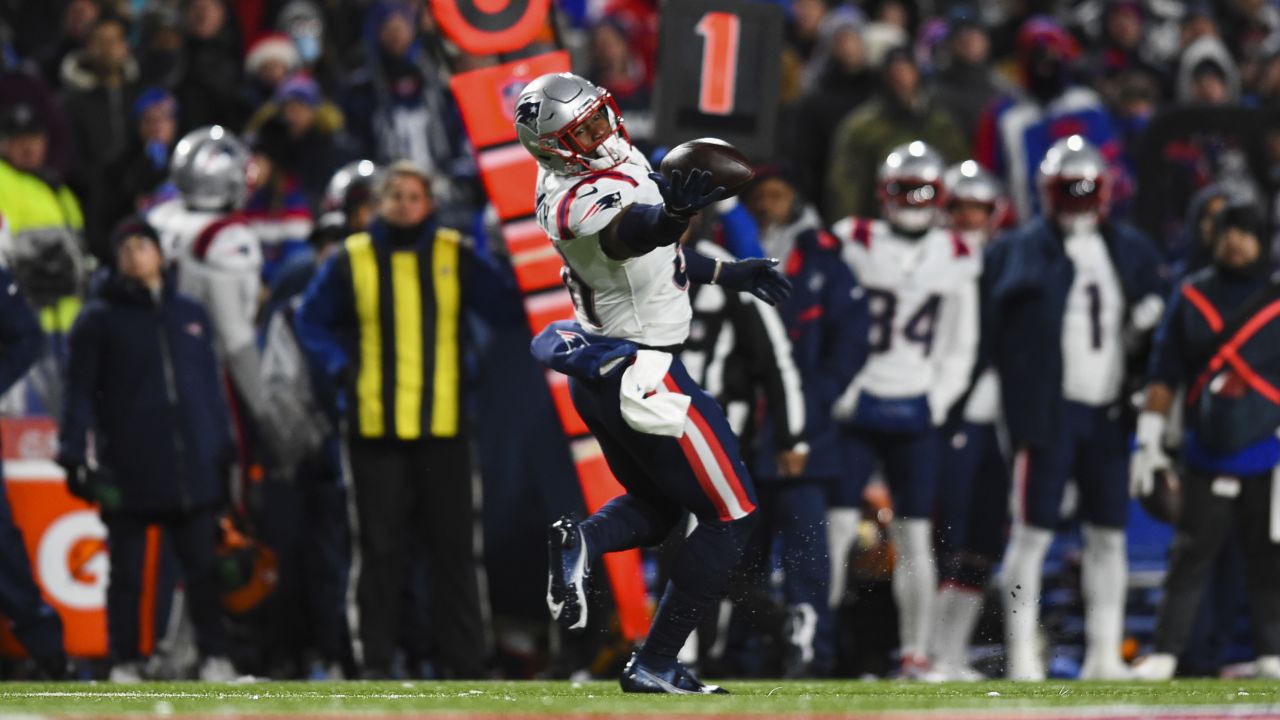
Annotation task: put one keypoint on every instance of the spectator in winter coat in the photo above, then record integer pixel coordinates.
(1019, 127)
(965, 82)
(1207, 74)
(159, 45)
(271, 60)
(1122, 50)
(78, 17)
(143, 377)
(21, 84)
(307, 132)
(208, 81)
(396, 104)
(99, 84)
(615, 66)
(903, 112)
(278, 210)
(838, 79)
(139, 174)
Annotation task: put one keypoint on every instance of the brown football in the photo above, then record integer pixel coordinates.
(729, 168)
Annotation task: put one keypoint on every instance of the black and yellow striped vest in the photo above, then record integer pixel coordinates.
(408, 311)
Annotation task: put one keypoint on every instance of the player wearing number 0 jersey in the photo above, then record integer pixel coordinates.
(921, 284)
(667, 441)
(1063, 298)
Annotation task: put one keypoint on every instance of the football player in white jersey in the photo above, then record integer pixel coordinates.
(921, 283)
(973, 494)
(922, 294)
(219, 261)
(1063, 298)
(617, 226)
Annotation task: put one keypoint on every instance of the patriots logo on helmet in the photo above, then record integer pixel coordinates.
(572, 340)
(527, 112)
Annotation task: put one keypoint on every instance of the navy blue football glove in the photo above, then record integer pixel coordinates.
(683, 197)
(756, 276)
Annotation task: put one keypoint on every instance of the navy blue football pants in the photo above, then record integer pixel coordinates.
(700, 472)
(909, 460)
(973, 504)
(1092, 448)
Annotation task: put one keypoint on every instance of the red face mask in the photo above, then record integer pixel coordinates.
(599, 112)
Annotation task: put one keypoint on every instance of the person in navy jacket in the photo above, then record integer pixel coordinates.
(35, 624)
(143, 377)
(1230, 450)
(1062, 296)
(827, 324)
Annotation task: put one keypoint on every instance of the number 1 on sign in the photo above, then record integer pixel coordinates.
(719, 31)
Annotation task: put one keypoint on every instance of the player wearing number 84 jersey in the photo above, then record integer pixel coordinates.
(921, 283)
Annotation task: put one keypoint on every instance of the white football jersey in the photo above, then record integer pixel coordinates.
(219, 262)
(922, 298)
(1092, 324)
(642, 299)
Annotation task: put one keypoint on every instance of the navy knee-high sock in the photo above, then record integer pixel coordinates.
(625, 522)
(698, 580)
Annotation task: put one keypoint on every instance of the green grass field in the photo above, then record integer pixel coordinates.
(1196, 699)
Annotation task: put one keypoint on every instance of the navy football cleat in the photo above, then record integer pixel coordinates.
(637, 678)
(567, 574)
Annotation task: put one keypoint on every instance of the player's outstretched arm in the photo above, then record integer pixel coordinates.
(639, 229)
(757, 276)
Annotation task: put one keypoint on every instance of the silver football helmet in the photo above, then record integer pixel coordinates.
(552, 107)
(968, 183)
(911, 189)
(353, 175)
(1074, 185)
(209, 168)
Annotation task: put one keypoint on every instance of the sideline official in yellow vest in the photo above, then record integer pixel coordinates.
(385, 320)
(45, 248)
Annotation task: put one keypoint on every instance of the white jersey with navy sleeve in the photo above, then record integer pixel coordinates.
(642, 299)
(922, 298)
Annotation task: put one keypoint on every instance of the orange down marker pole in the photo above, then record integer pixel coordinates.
(487, 100)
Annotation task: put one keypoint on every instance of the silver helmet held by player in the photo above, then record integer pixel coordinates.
(1075, 189)
(911, 189)
(209, 168)
(552, 107)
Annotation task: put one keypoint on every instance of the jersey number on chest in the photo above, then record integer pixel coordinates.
(584, 298)
(883, 308)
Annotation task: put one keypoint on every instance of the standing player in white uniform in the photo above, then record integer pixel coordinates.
(1063, 298)
(617, 226)
(921, 284)
(973, 494)
(219, 261)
